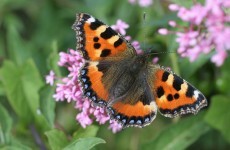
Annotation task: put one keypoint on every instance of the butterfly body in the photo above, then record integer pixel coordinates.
(128, 85)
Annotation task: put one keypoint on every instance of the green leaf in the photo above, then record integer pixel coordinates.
(22, 85)
(57, 139)
(5, 125)
(18, 49)
(11, 78)
(32, 83)
(218, 115)
(90, 131)
(84, 143)
(15, 144)
(180, 135)
(47, 104)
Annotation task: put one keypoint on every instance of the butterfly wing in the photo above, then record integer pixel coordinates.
(96, 40)
(139, 113)
(174, 96)
(91, 81)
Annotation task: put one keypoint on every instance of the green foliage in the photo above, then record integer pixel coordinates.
(57, 139)
(47, 104)
(5, 125)
(84, 143)
(180, 135)
(90, 131)
(32, 35)
(218, 115)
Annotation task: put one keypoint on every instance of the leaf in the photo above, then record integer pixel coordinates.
(179, 136)
(22, 85)
(57, 139)
(11, 78)
(47, 104)
(18, 49)
(218, 115)
(5, 125)
(15, 144)
(32, 82)
(90, 131)
(84, 143)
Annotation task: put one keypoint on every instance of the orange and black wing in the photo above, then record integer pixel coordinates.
(174, 96)
(139, 114)
(91, 80)
(97, 40)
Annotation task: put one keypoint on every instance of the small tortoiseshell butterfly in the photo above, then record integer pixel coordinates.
(130, 87)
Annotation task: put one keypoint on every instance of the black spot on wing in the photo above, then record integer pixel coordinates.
(97, 45)
(95, 25)
(177, 82)
(190, 91)
(170, 97)
(160, 91)
(108, 33)
(105, 52)
(176, 96)
(95, 39)
(165, 76)
(118, 42)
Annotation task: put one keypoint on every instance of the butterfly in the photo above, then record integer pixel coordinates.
(131, 88)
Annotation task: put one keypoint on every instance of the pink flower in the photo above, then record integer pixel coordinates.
(83, 119)
(172, 23)
(137, 47)
(101, 115)
(207, 30)
(115, 126)
(50, 78)
(163, 31)
(187, 39)
(120, 27)
(219, 57)
(155, 60)
(174, 7)
(145, 3)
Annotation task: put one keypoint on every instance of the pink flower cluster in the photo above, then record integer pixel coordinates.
(68, 88)
(208, 28)
(142, 3)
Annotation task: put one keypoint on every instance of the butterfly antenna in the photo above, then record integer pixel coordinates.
(157, 53)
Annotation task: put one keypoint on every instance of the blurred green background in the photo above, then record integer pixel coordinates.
(32, 32)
